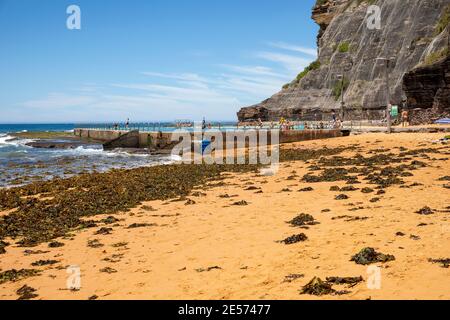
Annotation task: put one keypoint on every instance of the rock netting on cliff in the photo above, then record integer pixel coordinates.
(347, 46)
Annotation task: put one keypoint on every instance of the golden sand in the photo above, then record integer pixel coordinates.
(214, 250)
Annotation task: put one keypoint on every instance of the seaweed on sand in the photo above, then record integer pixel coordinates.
(141, 225)
(292, 277)
(108, 270)
(95, 244)
(309, 154)
(69, 200)
(3, 245)
(16, 275)
(351, 281)
(103, 231)
(303, 220)
(307, 189)
(26, 293)
(425, 211)
(42, 263)
(240, 203)
(55, 244)
(317, 287)
(368, 256)
(328, 175)
(295, 239)
(444, 262)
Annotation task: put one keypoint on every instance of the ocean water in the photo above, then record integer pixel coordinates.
(21, 164)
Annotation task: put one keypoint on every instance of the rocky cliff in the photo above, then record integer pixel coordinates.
(413, 34)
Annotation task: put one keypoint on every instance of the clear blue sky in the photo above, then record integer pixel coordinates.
(148, 59)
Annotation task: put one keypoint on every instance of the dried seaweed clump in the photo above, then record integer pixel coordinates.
(16, 275)
(42, 263)
(3, 245)
(26, 293)
(368, 256)
(303, 220)
(444, 262)
(295, 239)
(425, 211)
(351, 281)
(317, 287)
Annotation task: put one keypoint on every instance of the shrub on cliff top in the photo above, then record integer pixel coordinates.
(313, 66)
(320, 2)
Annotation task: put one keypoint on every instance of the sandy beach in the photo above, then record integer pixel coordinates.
(224, 240)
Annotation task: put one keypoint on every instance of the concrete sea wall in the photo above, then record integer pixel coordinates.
(163, 140)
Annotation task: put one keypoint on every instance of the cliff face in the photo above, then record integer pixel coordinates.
(408, 36)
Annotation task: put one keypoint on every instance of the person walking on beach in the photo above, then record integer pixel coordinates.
(405, 118)
(127, 124)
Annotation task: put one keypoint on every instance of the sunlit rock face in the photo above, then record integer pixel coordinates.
(347, 46)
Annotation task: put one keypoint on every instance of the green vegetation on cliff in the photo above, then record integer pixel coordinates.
(436, 56)
(340, 87)
(313, 66)
(443, 22)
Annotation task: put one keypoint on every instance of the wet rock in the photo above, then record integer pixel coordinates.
(400, 234)
(369, 256)
(335, 189)
(93, 297)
